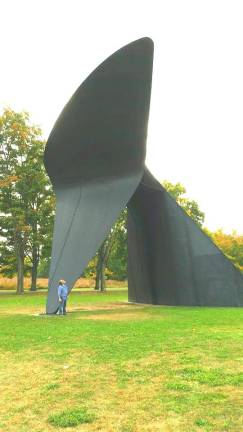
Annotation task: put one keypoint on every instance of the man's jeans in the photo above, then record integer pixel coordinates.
(62, 307)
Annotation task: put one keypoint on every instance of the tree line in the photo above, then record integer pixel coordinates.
(27, 208)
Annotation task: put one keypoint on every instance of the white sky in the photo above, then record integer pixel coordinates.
(48, 48)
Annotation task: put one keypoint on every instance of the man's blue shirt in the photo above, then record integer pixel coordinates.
(63, 291)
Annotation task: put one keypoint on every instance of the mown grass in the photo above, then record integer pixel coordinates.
(128, 368)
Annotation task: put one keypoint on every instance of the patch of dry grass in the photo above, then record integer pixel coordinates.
(111, 316)
(123, 309)
(136, 407)
(10, 284)
(79, 385)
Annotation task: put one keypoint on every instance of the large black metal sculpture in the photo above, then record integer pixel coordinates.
(95, 159)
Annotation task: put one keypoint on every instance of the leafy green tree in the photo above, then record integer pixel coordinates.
(26, 198)
(230, 244)
(191, 207)
(175, 190)
(113, 250)
(117, 263)
(40, 211)
(101, 263)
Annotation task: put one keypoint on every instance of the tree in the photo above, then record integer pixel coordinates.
(117, 262)
(26, 198)
(191, 207)
(230, 244)
(102, 257)
(113, 249)
(40, 211)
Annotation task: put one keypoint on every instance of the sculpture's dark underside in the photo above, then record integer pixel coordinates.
(95, 159)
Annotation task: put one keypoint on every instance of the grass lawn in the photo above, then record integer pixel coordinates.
(114, 367)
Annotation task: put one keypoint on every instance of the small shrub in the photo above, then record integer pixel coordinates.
(71, 418)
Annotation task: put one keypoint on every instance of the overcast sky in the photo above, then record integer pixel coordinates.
(195, 130)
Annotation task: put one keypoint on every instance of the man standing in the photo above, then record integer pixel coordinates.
(62, 296)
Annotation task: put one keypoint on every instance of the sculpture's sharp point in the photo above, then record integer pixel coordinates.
(147, 41)
(144, 43)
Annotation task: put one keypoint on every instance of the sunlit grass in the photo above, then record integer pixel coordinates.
(132, 368)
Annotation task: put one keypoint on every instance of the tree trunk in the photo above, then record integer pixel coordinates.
(100, 269)
(102, 276)
(98, 277)
(103, 256)
(20, 272)
(34, 269)
(19, 250)
(33, 278)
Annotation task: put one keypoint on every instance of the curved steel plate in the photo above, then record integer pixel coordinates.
(95, 158)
